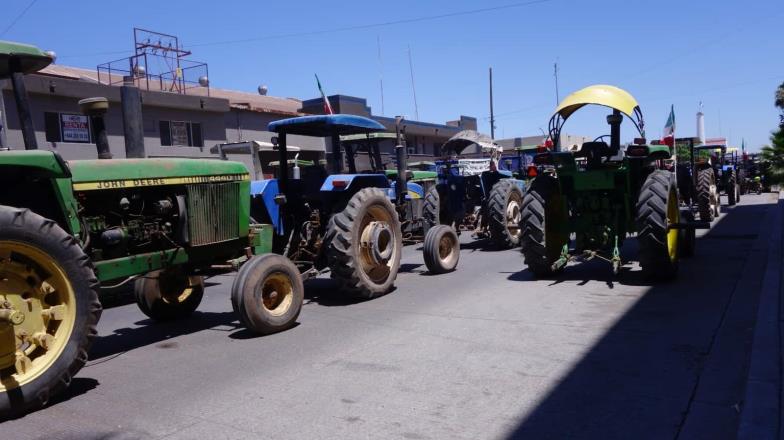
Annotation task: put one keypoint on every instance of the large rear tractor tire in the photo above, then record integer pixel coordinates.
(706, 195)
(544, 225)
(657, 208)
(430, 208)
(165, 295)
(48, 311)
(441, 249)
(267, 294)
(504, 206)
(365, 246)
(732, 189)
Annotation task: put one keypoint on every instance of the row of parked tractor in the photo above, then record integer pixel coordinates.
(70, 229)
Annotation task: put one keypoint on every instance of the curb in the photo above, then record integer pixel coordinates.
(760, 417)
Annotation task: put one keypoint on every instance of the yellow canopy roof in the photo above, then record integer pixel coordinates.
(608, 96)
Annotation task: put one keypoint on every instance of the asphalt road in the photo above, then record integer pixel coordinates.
(483, 352)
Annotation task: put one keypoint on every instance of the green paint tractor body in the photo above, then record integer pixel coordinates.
(68, 229)
(601, 194)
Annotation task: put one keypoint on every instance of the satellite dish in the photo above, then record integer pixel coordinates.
(204, 81)
(263, 90)
(139, 70)
(51, 54)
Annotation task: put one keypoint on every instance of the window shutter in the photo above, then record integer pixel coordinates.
(52, 127)
(165, 134)
(196, 137)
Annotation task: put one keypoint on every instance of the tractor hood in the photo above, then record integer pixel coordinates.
(131, 173)
(465, 139)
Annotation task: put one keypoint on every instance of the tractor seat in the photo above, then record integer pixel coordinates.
(594, 152)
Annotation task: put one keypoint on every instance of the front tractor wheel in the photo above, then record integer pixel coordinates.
(544, 226)
(366, 244)
(165, 295)
(657, 209)
(505, 202)
(441, 249)
(267, 294)
(48, 310)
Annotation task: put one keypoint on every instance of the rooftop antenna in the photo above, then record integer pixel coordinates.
(380, 72)
(492, 115)
(413, 87)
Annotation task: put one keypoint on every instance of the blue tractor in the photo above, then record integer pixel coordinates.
(474, 194)
(324, 219)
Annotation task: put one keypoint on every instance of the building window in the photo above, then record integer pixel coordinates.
(67, 127)
(181, 134)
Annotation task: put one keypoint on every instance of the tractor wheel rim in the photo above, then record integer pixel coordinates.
(377, 247)
(446, 246)
(177, 290)
(673, 217)
(34, 285)
(513, 217)
(277, 293)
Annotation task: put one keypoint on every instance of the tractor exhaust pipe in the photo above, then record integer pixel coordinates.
(23, 108)
(96, 108)
(401, 184)
(131, 101)
(615, 120)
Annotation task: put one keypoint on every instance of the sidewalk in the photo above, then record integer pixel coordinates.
(762, 410)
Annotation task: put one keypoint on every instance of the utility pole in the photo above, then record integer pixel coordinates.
(413, 87)
(380, 73)
(555, 74)
(492, 115)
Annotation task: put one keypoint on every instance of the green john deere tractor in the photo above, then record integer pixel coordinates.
(67, 229)
(601, 194)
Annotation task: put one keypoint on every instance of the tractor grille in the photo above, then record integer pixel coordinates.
(213, 213)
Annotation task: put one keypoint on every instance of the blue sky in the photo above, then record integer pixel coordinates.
(723, 53)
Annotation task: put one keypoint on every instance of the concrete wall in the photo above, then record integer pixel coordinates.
(62, 95)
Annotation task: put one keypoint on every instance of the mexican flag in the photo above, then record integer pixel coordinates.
(669, 129)
(327, 105)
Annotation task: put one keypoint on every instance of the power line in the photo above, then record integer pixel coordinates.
(18, 17)
(349, 28)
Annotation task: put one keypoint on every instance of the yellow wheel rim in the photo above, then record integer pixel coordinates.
(673, 217)
(277, 293)
(445, 247)
(33, 285)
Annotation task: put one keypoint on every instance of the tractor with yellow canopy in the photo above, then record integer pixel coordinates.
(603, 193)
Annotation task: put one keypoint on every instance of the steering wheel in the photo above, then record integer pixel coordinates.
(601, 137)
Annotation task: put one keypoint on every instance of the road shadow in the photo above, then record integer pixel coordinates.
(594, 270)
(658, 372)
(150, 332)
(325, 292)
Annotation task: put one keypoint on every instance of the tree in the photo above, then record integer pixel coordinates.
(774, 153)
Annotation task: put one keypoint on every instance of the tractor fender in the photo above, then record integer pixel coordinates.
(263, 192)
(351, 183)
(42, 163)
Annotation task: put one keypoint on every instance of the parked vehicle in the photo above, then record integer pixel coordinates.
(601, 194)
(67, 229)
(474, 193)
